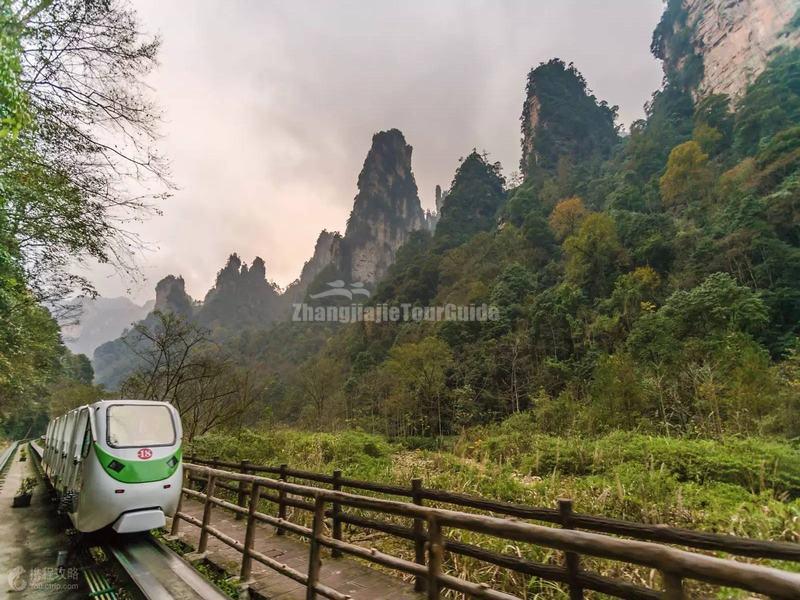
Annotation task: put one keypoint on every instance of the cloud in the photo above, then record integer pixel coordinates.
(270, 108)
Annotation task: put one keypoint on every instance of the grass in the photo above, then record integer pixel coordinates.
(739, 486)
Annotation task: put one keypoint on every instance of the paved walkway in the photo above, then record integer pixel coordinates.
(30, 541)
(342, 574)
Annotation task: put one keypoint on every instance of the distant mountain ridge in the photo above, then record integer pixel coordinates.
(385, 212)
(101, 320)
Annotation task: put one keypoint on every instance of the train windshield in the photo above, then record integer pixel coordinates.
(132, 425)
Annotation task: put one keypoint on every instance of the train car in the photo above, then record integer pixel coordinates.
(116, 463)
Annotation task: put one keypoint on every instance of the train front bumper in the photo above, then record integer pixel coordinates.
(140, 520)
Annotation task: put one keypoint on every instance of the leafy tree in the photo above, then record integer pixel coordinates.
(556, 327)
(419, 371)
(713, 124)
(770, 104)
(648, 238)
(594, 255)
(182, 367)
(66, 176)
(718, 306)
(688, 178)
(567, 217)
(414, 275)
(618, 396)
(634, 293)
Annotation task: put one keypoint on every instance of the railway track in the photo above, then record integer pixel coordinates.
(157, 572)
(7, 454)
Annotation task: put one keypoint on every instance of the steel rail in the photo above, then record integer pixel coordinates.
(158, 572)
(7, 454)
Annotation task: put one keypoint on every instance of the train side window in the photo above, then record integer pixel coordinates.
(87, 440)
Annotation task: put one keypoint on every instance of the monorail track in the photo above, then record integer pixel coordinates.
(157, 572)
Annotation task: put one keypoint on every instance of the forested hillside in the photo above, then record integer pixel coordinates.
(647, 281)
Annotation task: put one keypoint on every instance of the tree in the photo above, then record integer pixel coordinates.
(181, 366)
(419, 371)
(634, 293)
(706, 313)
(594, 255)
(13, 102)
(770, 104)
(567, 217)
(713, 123)
(318, 381)
(688, 178)
(87, 134)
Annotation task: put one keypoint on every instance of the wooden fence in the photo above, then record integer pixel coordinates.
(430, 542)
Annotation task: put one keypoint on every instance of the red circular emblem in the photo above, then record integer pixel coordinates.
(145, 453)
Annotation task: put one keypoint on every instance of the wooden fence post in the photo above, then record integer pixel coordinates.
(673, 586)
(201, 547)
(571, 558)
(435, 557)
(335, 510)
(419, 534)
(314, 559)
(282, 499)
(176, 520)
(242, 488)
(249, 536)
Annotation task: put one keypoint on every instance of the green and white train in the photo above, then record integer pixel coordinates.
(116, 463)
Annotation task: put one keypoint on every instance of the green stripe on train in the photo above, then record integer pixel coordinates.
(139, 471)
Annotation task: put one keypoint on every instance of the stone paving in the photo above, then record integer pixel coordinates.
(30, 541)
(342, 574)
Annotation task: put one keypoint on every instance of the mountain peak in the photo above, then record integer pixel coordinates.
(562, 119)
(385, 210)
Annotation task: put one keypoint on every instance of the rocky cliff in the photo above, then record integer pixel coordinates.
(171, 296)
(720, 46)
(241, 298)
(385, 210)
(562, 121)
(326, 248)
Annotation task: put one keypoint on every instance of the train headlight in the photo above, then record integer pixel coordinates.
(172, 462)
(116, 466)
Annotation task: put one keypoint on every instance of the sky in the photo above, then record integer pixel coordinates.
(269, 108)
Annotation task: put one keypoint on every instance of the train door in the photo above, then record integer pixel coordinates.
(76, 447)
(46, 447)
(64, 462)
(55, 455)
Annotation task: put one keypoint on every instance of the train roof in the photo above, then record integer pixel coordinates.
(106, 403)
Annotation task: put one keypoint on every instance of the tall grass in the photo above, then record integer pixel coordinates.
(739, 486)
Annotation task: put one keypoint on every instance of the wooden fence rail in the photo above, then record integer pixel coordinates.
(735, 545)
(674, 565)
